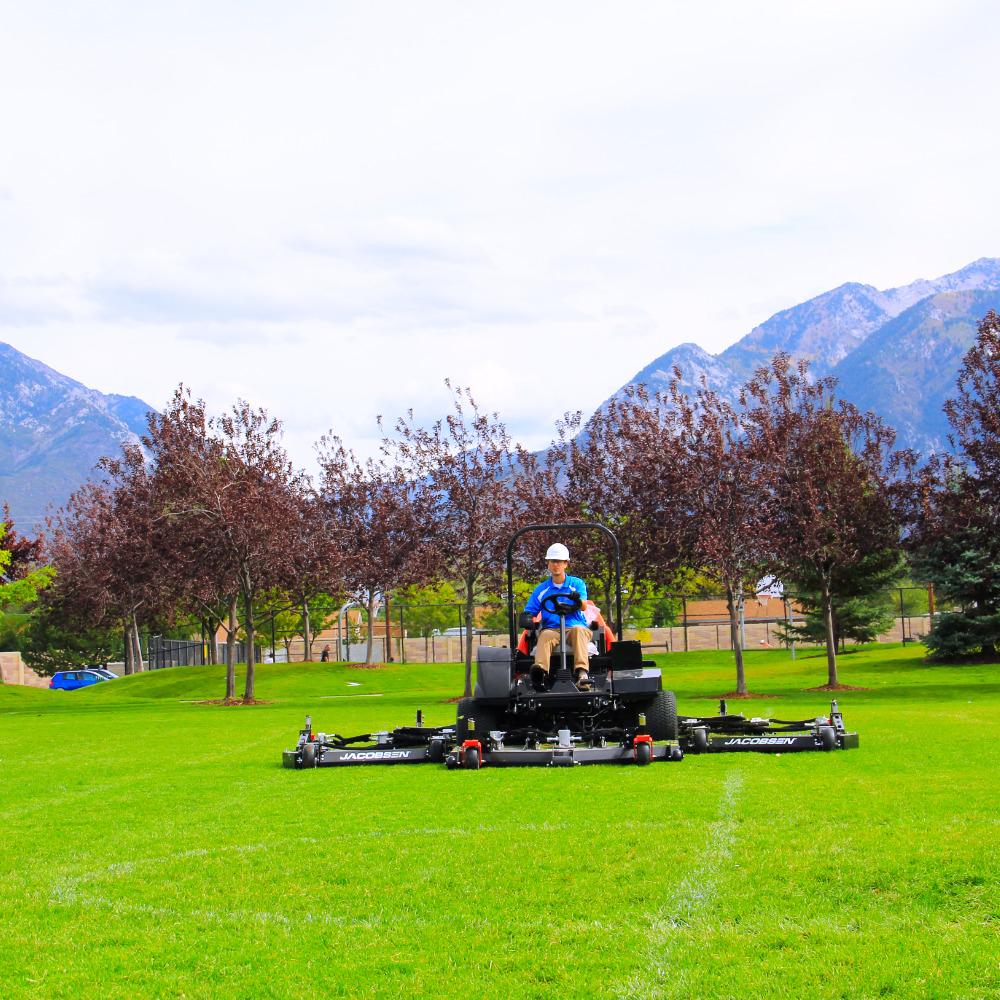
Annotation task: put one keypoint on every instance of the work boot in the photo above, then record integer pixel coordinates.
(583, 681)
(538, 678)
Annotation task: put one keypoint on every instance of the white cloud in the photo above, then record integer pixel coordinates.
(329, 208)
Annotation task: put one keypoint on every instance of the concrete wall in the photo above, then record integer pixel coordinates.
(14, 671)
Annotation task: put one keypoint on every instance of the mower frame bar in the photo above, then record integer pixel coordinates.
(568, 756)
(565, 526)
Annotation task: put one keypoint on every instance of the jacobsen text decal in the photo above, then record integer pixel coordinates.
(376, 755)
(750, 741)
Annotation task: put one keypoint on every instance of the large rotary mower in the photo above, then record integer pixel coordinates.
(520, 719)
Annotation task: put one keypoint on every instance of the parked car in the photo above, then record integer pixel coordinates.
(70, 680)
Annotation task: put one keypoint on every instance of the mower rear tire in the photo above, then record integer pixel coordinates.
(661, 716)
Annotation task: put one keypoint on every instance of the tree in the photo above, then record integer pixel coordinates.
(379, 518)
(624, 471)
(838, 482)
(23, 575)
(495, 619)
(427, 609)
(955, 540)
(105, 547)
(314, 568)
(862, 603)
(229, 492)
(728, 490)
(54, 640)
(480, 488)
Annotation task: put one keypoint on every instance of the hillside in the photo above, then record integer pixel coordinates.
(895, 351)
(53, 430)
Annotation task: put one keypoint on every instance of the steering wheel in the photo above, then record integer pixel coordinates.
(561, 604)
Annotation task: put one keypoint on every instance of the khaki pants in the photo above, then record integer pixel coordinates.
(577, 638)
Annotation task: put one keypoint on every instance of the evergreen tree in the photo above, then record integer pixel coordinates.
(956, 538)
(862, 604)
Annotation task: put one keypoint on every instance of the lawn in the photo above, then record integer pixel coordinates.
(156, 848)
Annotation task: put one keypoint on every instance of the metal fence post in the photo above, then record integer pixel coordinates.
(388, 630)
(402, 636)
(684, 601)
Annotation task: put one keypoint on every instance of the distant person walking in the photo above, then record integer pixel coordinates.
(324, 656)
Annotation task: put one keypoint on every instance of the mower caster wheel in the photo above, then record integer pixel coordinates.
(309, 755)
(471, 762)
(435, 752)
(675, 753)
(699, 739)
(643, 753)
(451, 761)
(828, 737)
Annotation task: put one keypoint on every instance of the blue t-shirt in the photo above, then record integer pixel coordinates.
(571, 585)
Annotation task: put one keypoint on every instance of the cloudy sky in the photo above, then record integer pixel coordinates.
(328, 207)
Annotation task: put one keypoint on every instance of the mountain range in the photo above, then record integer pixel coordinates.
(53, 430)
(895, 351)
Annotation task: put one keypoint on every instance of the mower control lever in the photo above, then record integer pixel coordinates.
(526, 620)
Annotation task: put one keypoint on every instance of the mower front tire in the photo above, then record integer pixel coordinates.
(661, 716)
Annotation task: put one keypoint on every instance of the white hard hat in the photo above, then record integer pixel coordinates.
(557, 551)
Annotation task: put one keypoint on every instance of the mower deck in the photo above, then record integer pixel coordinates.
(405, 745)
(724, 733)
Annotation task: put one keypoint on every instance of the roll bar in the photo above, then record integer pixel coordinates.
(568, 526)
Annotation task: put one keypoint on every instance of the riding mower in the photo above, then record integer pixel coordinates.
(622, 716)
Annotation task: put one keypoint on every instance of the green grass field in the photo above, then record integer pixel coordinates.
(155, 847)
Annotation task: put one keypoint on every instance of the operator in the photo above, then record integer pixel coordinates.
(578, 634)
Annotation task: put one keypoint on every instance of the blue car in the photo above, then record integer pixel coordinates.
(70, 680)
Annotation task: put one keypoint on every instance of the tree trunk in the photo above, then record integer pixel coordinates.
(371, 626)
(251, 634)
(307, 646)
(470, 607)
(127, 651)
(734, 602)
(831, 639)
(231, 651)
(138, 644)
(211, 629)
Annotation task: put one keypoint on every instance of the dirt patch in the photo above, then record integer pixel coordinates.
(749, 696)
(234, 702)
(838, 687)
(452, 701)
(365, 666)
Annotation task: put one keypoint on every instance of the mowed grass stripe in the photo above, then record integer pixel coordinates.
(161, 850)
